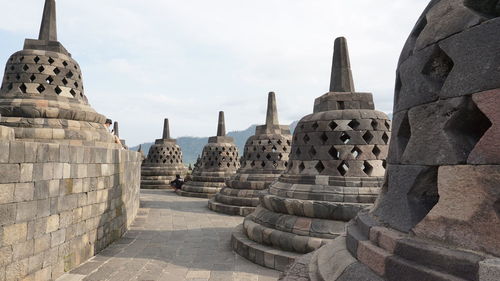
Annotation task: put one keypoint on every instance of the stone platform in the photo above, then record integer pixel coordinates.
(173, 238)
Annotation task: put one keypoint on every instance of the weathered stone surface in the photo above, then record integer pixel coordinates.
(467, 214)
(489, 270)
(265, 158)
(336, 168)
(218, 162)
(163, 163)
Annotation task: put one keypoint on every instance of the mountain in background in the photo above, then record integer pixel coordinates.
(192, 146)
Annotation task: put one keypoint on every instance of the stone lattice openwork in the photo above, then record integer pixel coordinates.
(163, 163)
(336, 169)
(219, 161)
(42, 94)
(438, 216)
(265, 159)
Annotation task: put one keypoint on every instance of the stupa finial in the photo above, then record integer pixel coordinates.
(48, 28)
(341, 79)
(221, 126)
(272, 111)
(116, 130)
(166, 130)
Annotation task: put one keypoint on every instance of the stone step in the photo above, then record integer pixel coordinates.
(280, 239)
(302, 226)
(229, 209)
(260, 254)
(342, 211)
(237, 201)
(194, 194)
(155, 186)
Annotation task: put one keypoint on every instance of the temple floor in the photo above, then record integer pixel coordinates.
(172, 238)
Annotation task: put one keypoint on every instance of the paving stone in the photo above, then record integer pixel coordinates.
(179, 239)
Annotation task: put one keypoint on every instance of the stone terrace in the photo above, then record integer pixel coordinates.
(173, 238)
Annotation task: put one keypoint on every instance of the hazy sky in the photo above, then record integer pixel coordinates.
(146, 60)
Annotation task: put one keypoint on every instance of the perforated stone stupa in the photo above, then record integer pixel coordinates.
(336, 169)
(163, 163)
(42, 94)
(219, 161)
(265, 159)
(438, 217)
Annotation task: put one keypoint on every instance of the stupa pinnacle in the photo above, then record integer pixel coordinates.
(336, 168)
(265, 159)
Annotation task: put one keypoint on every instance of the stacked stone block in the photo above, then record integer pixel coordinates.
(163, 163)
(66, 189)
(219, 161)
(265, 159)
(438, 217)
(336, 169)
(61, 204)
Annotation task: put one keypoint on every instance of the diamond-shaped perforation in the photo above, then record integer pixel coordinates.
(40, 88)
(315, 126)
(312, 151)
(49, 79)
(302, 167)
(32, 77)
(51, 60)
(72, 92)
(268, 156)
(306, 138)
(333, 125)
(368, 137)
(387, 125)
(374, 124)
(65, 63)
(376, 151)
(385, 138)
(298, 152)
(319, 167)
(56, 71)
(345, 138)
(354, 124)
(343, 168)
(23, 88)
(41, 69)
(25, 67)
(367, 168)
(356, 152)
(323, 138)
(36, 59)
(334, 153)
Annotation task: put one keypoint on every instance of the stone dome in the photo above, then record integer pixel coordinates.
(437, 217)
(163, 163)
(264, 159)
(42, 94)
(336, 168)
(219, 160)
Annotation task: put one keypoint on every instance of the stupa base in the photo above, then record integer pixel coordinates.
(260, 254)
(229, 209)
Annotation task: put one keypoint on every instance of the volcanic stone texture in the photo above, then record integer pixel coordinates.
(219, 161)
(163, 163)
(336, 169)
(265, 159)
(61, 204)
(438, 217)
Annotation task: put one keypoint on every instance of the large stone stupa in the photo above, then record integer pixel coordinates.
(219, 161)
(438, 217)
(42, 95)
(336, 169)
(163, 163)
(265, 159)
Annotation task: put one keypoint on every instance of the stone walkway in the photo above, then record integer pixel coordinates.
(173, 238)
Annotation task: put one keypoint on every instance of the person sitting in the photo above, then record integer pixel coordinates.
(177, 183)
(108, 124)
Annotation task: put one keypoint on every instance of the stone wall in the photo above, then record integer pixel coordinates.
(61, 204)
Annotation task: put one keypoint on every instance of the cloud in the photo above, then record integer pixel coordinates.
(186, 60)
